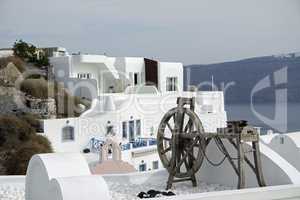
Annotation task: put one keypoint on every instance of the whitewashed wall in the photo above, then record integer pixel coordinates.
(286, 145)
(166, 69)
(148, 108)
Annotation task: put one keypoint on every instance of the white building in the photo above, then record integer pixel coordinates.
(103, 74)
(129, 98)
(6, 52)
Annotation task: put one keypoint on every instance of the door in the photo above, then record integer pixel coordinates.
(151, 72)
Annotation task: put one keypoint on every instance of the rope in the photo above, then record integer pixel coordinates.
(211, 162)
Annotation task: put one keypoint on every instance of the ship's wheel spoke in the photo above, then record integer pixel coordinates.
(169, 126)
(187, 126)
(174, 120)
(182, 160)
(191, 153)
(166, 150)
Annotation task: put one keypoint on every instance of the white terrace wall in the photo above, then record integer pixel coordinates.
(286, 145)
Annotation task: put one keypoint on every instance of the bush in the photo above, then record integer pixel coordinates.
(38, 88)
(13, 132)
(36, 76)
(32, 120)
(18, 162)
(44, 142)
(19, 142)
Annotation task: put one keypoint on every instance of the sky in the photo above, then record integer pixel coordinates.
(191, 31)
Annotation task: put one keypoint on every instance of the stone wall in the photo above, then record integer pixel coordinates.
(8, 96)
(46, 108)
(13, 101)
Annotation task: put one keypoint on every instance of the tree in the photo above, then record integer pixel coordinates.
(25, 51)
(29, 53)
(42, 61)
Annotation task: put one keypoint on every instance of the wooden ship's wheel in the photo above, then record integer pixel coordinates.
(181, 144)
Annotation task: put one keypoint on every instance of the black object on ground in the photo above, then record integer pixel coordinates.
(154, 193)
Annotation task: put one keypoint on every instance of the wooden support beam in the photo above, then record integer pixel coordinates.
(258, 165)
(241, 164)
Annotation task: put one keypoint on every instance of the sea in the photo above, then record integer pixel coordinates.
(268, 116)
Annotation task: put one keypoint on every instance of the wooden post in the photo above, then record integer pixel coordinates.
(241, 165)
(258, 165)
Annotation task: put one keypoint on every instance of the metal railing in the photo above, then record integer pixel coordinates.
(139, 143)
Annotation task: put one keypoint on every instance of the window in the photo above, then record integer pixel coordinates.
(68, 134)
(84, 75)
(142, 167)
(152, 131)
(124, 129)
(171, 84)
(131, 130)
(155, 165)
(110, 130)
(138, 127)
(136, 78)
(281, 140)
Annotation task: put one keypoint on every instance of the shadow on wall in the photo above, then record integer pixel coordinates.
(276, 170)
(286, 145)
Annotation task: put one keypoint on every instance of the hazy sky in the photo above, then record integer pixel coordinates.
(190, 31)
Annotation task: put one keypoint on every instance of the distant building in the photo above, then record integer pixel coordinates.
(54, 51)
(5, 52)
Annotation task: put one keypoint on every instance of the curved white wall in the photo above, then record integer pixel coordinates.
(78, 188)
(44, 167)
(286, 145)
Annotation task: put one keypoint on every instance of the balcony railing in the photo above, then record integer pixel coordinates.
(139, 143)
(96, 144)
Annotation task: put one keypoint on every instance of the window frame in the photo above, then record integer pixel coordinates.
(71, 136)
(131, 130)
(171, 83)
(143, 166)
(138, 128)
(125, 130)
(135, 78)
(155, 165)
